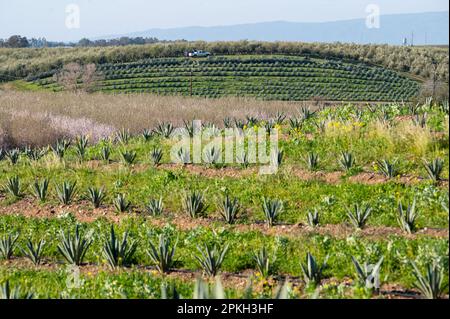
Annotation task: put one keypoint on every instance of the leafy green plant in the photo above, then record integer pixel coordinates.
(13, 186)
(211, 258)
(74, 247)
(388, 169)
(429, 284)
(40, 189)
(347, 161)
(312, 271)
(7, 292)
(156, 156)
(60, 148)
(407, 218)
(359, 215)
(161, 254)
(368, 275)
(119, 253)
(121, 204)
(434, 169)
(272, 209)
(147, 135)
(194, 204)
(229, 209)
(66, 191)
(128, 157)
(96, 196)
(35, 154)
(7, 244)
(313, 218)
(33, 251)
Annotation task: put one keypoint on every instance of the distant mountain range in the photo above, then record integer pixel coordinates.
(420, 28)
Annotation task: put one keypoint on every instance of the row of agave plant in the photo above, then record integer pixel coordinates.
(346, 160)
(118, 252)
(195, 205)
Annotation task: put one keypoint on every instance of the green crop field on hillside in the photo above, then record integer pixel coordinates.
(263, 77)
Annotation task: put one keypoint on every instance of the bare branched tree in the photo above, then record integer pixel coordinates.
(75, 77)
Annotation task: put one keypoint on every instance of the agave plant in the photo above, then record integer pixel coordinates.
(123, 136)
(74, 248)
(238, 123)
(169, 291)
(251, 120)
(272, 209)
(388, 169)
(212, 155)
(119, 253)
(156, 156)
(434, 169)
(66, 192)
(313, 218)
(189, 128)
(147, 135)
(40, 189)
(128, 157)
(227, 122)
(347, 161)
(263, 263)
(121, 204)
(6, 292)
(295, 123)
(407, 218)
(312, 271)
(7, 244)
(81, 144)
(155, 206)
(202, 290)
(35, 154)
(306, 113)
(242, 158)
(33, 251)
(164, 129)
(2, 154)
(280, 117)
(13, 186)
(229, 209)
(277, 157)
(105, 153)
(183, 156)
(359, 215)
(194, 204)
(211, 258)
(60, 148)
(368, 275)
(13, 155)
(161, 254)
(420, 120)
(429, 284)
(312, 161)
(96, 196)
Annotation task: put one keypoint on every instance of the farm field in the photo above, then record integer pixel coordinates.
(95, 210)
(263, 77)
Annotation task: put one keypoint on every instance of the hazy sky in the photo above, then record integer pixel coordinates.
(37, 18)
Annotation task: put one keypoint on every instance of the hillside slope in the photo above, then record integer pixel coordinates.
(263, 77)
